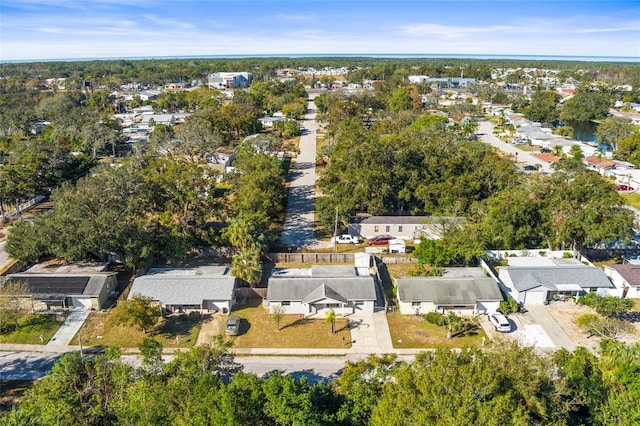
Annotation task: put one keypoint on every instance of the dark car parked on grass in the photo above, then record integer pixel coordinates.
(233, 326)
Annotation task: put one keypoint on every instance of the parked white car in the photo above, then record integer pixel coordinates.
(347, 239)
(500, 322)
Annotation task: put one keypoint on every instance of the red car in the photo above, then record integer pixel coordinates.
(380, 240)
(624, 188)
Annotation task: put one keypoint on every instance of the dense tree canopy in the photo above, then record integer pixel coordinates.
(424, 168)
(503, 384)
(543, 107)
(586, 105)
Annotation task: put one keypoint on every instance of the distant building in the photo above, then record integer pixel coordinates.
(230, 80)
(446, 82)
(402, 227)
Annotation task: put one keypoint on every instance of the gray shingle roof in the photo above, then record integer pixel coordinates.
(297, 288)
(183, 288)
(448, 291)
(323, 292)
(333, 271)
(525, 278)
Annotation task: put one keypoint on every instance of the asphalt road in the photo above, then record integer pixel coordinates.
(34, 365)
(485, 133)
(299, 224)
(26, 365)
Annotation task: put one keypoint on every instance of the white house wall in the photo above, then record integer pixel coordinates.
(535, 296)
(366, 307)
(620, 284)
(407, 308)
(487, 307)
(216, 305)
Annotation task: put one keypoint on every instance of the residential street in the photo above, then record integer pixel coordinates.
(34, 365)
(485, 132)
(299, 224)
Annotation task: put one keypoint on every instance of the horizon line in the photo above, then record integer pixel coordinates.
(576, 58)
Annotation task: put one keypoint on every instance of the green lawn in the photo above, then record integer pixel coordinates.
(101, 329)
(258, 330)
(632, 199)
(412, 331)
(30, 329)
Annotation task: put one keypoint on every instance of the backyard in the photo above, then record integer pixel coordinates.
(258, 330)
(412, 331)
(174, 331)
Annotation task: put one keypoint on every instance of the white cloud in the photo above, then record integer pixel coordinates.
(168, 23)
(294, 17)
(449, 31)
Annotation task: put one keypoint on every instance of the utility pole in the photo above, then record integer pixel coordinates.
(335, 233)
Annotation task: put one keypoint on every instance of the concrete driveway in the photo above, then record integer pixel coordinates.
(485, 132)
(535, 328)
(69, 327)
(370, 334)
(213, 324)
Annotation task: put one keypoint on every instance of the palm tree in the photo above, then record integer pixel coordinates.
(247, 266)
(331, 319)
(453, 324)
(241, 233)
(557, 150)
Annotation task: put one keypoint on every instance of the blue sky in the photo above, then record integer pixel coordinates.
(59, 29)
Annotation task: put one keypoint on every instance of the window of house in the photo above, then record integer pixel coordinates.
(387, 228)
(376, 228)
(416, 304)
(399, 228)
(332, 305)
(359, 303)
(285, 303)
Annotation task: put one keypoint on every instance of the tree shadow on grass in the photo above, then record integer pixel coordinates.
(177, 326)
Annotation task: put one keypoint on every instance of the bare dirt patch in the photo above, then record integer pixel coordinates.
(565, 314)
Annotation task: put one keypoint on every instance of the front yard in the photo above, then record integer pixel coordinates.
(175, 331)
(258, 330)
(632, 199)
(31, 328)
(412, 331)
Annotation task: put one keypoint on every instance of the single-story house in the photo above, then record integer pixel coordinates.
(537, 284)
(166, 119)
(402, 227)
(468, 294)
(626, 279)
(268, 121)
(67, 290)
(204, 289)
(601, 165)
(315, 290)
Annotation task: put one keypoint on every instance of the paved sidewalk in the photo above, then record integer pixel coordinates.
(69, 328)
